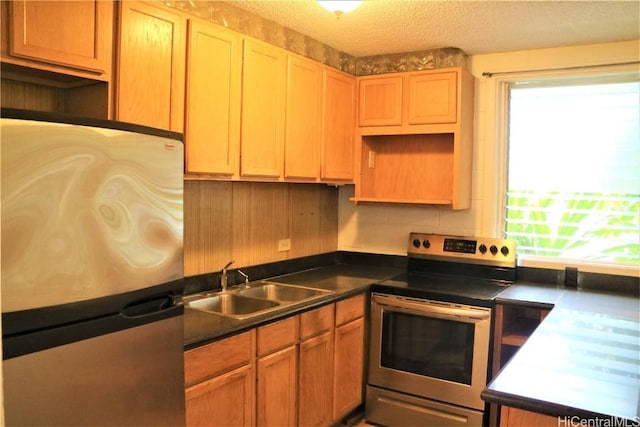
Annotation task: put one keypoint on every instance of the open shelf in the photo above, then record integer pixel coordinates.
(514, 325)
(407, 169)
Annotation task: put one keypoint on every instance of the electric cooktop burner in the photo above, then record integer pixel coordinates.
(463, 270)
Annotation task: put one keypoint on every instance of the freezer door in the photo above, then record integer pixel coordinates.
(132, 377)
(87, 212)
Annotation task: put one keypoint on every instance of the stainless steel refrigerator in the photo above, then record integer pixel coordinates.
(92, 228)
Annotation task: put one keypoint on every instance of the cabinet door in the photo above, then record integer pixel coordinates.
(263, 109)
(513, 417)
(432, 98)
(226, 400)
(315, 385)
(74, 34)
(338, 124)
(348, 368)
(277, 387)
(213, 359)
(212, 128)
(151, 66)
(380, 101)
(303, 119)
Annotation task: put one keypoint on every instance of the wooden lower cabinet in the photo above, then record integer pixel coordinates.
(348, 368)
(220, 382)
(277, 373)
(277, 387)
(314, 398)
(225, 400)
(514, 417)
(304, 370)
(315, 374)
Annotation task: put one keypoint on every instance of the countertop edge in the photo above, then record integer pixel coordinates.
(542, 407)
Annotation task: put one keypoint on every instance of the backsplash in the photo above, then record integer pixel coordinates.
(244, 221)
(222, 13)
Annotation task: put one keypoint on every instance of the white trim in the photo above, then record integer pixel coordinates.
(582, 265)
(502, 83)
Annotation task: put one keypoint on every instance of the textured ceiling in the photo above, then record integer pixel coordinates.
(394, 26)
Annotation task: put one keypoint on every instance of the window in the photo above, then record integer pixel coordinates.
(573, 186)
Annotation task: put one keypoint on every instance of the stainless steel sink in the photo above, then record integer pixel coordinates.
(255, 300)
(282, 293)
(233, 305)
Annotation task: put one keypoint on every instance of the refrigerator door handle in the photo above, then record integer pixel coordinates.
(148, 307)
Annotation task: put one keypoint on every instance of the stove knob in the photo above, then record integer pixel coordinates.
(483, 249)
(416, 243)
(493, 249)
(426, 244)
(504, 250)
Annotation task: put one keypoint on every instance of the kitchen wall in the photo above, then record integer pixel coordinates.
(384, 228)
(244, 221)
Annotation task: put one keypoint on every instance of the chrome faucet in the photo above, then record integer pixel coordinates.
(223, 277)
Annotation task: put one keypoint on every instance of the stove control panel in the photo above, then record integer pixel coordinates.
(473, 250)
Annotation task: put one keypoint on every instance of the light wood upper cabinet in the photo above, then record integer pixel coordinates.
(263, 110)
(212, 106)
(427, 157)
(151, 60)
(303, 119)
(432, 98)
(72, 34)
(338, 126)
(406, 99)
(380, 101)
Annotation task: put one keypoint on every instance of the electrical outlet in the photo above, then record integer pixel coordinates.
(372, 159)
(284, 245)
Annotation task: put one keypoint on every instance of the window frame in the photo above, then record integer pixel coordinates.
(503, 83)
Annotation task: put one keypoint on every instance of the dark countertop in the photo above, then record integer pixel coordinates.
(344, 280)
(583, 360)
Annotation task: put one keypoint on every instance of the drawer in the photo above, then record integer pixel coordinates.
(316, 321)
(277, 335)
(221, 356)
(349, 309)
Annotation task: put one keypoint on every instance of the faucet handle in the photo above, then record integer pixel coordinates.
(246, 278)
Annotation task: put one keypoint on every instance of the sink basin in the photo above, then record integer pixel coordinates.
(233, 305)
(283, 293)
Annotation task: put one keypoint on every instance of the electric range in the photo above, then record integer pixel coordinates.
(430, 332)
(465, 270)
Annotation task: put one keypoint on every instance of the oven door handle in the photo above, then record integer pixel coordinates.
(433, 308)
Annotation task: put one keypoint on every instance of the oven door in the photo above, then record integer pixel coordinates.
(432, 349)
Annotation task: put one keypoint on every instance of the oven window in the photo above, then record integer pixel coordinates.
(427, 346)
